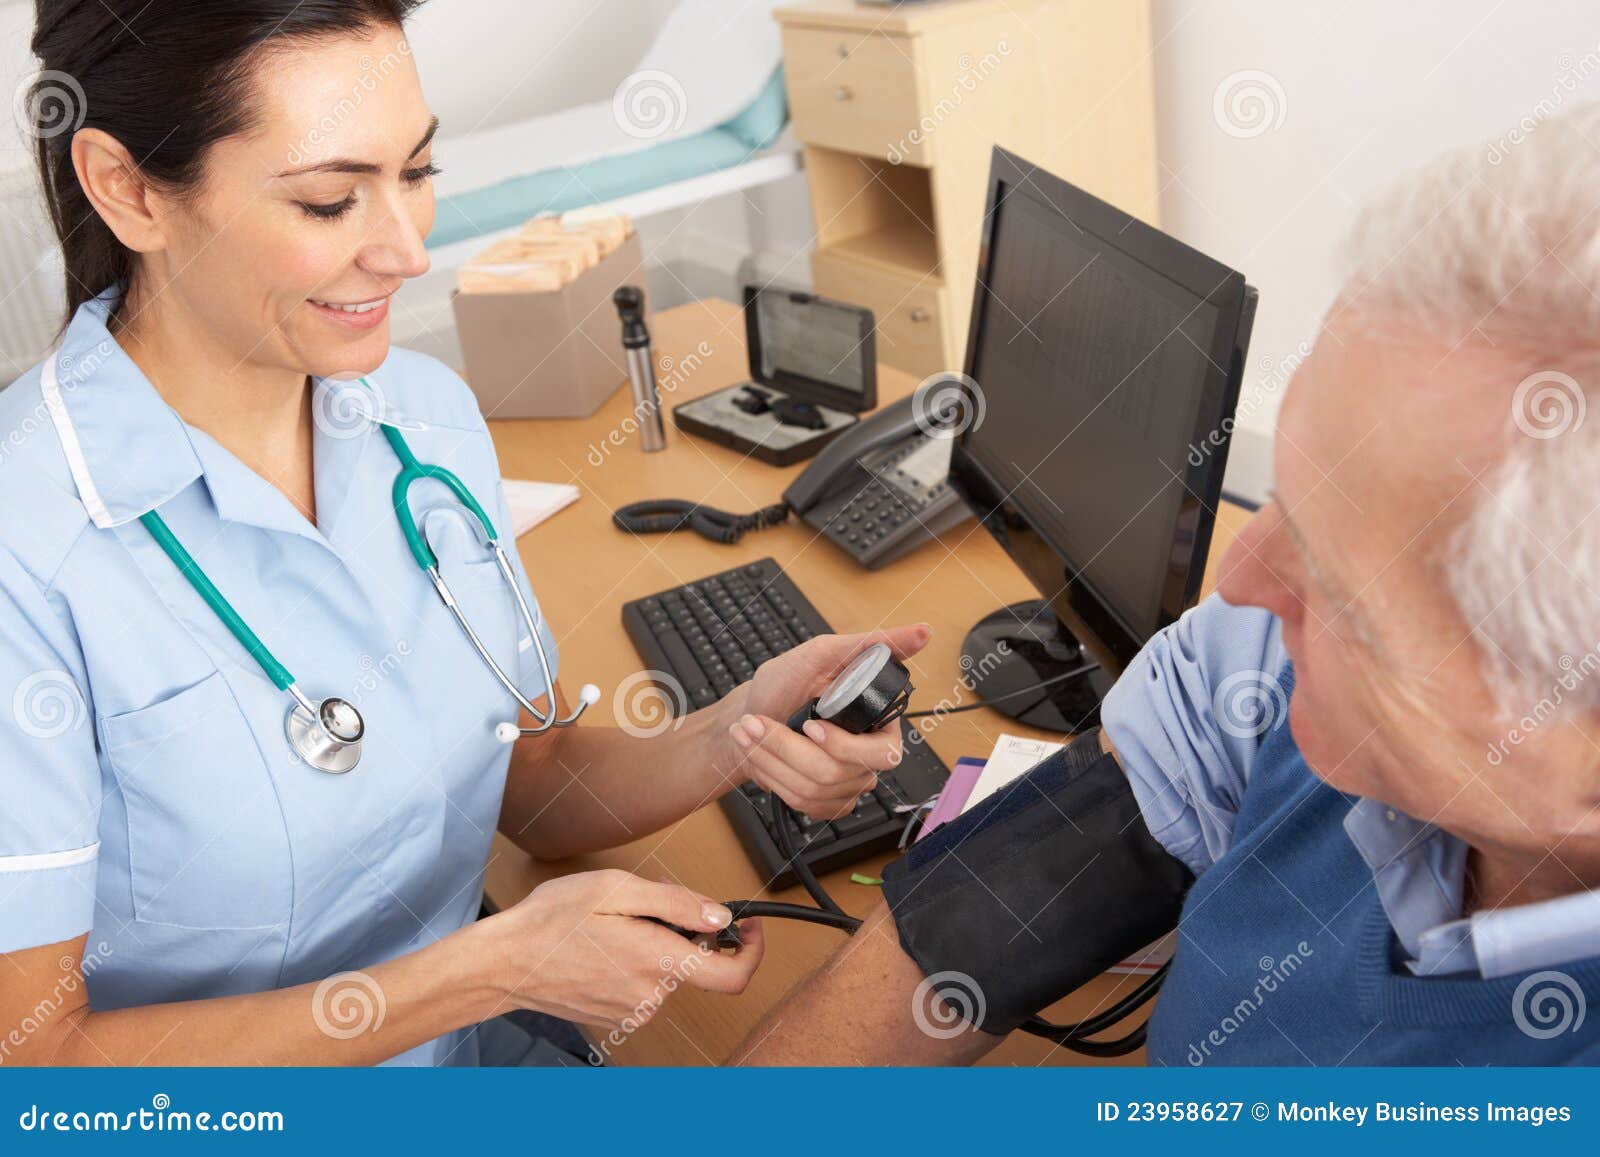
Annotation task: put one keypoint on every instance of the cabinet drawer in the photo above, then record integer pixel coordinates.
(855, 91)
(910, 316)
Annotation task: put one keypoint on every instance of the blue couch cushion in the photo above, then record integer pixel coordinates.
(514, 200)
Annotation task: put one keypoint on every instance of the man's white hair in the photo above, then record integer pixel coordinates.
(1505, 239)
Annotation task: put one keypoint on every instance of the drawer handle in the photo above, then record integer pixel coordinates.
(844, 50)
(919, 314)
(842, 93)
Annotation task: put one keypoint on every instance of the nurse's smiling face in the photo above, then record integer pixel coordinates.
(323, 204)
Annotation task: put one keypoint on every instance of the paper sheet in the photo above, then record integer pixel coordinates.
(1012, 755)
(533, 502)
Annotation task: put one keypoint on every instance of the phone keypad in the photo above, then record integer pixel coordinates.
(871, 516)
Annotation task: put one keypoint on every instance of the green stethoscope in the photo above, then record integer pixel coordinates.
(327, 734)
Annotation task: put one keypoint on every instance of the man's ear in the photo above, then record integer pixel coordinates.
(118, 191)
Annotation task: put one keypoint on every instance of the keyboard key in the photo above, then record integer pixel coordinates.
(725, 625)
(855, 822)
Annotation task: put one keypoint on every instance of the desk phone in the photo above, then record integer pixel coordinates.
(879, 490)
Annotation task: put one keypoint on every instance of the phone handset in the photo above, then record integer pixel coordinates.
(879, 490)
(836, 462)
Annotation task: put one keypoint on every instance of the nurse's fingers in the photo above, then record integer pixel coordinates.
(875, 750)
(801, 771)
(729, 973)
(635, 896)
(799, 791)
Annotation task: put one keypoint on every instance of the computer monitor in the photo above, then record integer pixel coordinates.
(1102, 371)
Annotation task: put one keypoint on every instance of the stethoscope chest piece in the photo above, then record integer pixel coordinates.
(328, 738)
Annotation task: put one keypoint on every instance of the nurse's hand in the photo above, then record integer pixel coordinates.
(577, 948)
(822, 772)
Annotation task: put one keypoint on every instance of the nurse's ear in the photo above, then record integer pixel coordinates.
(123, 197)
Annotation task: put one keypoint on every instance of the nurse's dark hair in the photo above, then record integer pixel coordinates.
(167, 79)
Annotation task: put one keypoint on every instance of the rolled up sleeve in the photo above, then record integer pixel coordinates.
(1187, 717)
(49, 842)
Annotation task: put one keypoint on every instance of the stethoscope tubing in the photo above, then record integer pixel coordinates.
(305, 718)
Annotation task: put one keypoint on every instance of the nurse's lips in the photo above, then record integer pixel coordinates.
(354, 314)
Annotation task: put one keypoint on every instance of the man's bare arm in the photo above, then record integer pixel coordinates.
(857, 1010)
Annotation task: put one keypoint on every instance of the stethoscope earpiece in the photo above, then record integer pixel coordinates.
(509, 732)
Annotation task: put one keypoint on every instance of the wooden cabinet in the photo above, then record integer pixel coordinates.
(899, 108)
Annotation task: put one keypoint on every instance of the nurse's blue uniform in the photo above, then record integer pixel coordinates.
(152, 799)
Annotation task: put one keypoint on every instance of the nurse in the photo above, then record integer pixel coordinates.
(238, 190)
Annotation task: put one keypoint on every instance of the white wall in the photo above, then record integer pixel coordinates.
(491, 62)
(1355, 93)
(483, 62)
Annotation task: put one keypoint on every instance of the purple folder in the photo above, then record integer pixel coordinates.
(954, 796)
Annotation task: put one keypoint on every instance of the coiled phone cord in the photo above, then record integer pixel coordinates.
(664, 515)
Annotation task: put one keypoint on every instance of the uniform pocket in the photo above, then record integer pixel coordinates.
(207, 846)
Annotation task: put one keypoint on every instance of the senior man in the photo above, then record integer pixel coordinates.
(1411, 811)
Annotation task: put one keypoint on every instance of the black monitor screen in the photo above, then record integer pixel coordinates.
(1092, 368)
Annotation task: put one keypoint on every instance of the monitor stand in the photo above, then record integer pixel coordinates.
(1024, 644)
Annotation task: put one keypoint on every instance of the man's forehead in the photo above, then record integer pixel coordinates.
(1383, 434)
(1379, 406)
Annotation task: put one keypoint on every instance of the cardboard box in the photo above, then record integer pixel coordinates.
(550, 354)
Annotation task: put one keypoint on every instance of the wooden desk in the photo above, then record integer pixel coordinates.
(583, 569)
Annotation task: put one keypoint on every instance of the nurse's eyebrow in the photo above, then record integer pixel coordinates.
(341, 165)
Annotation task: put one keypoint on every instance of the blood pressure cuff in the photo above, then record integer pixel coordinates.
(1039, 888)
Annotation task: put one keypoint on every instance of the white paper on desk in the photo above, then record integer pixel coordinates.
(533, 502)
(1012, 756)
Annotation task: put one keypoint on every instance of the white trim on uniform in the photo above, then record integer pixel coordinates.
(44, 861)
(92, 502)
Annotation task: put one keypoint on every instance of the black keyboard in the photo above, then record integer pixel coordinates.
(710, 636)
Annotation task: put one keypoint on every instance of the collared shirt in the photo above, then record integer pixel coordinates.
(1186, 718)
(152, 799)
